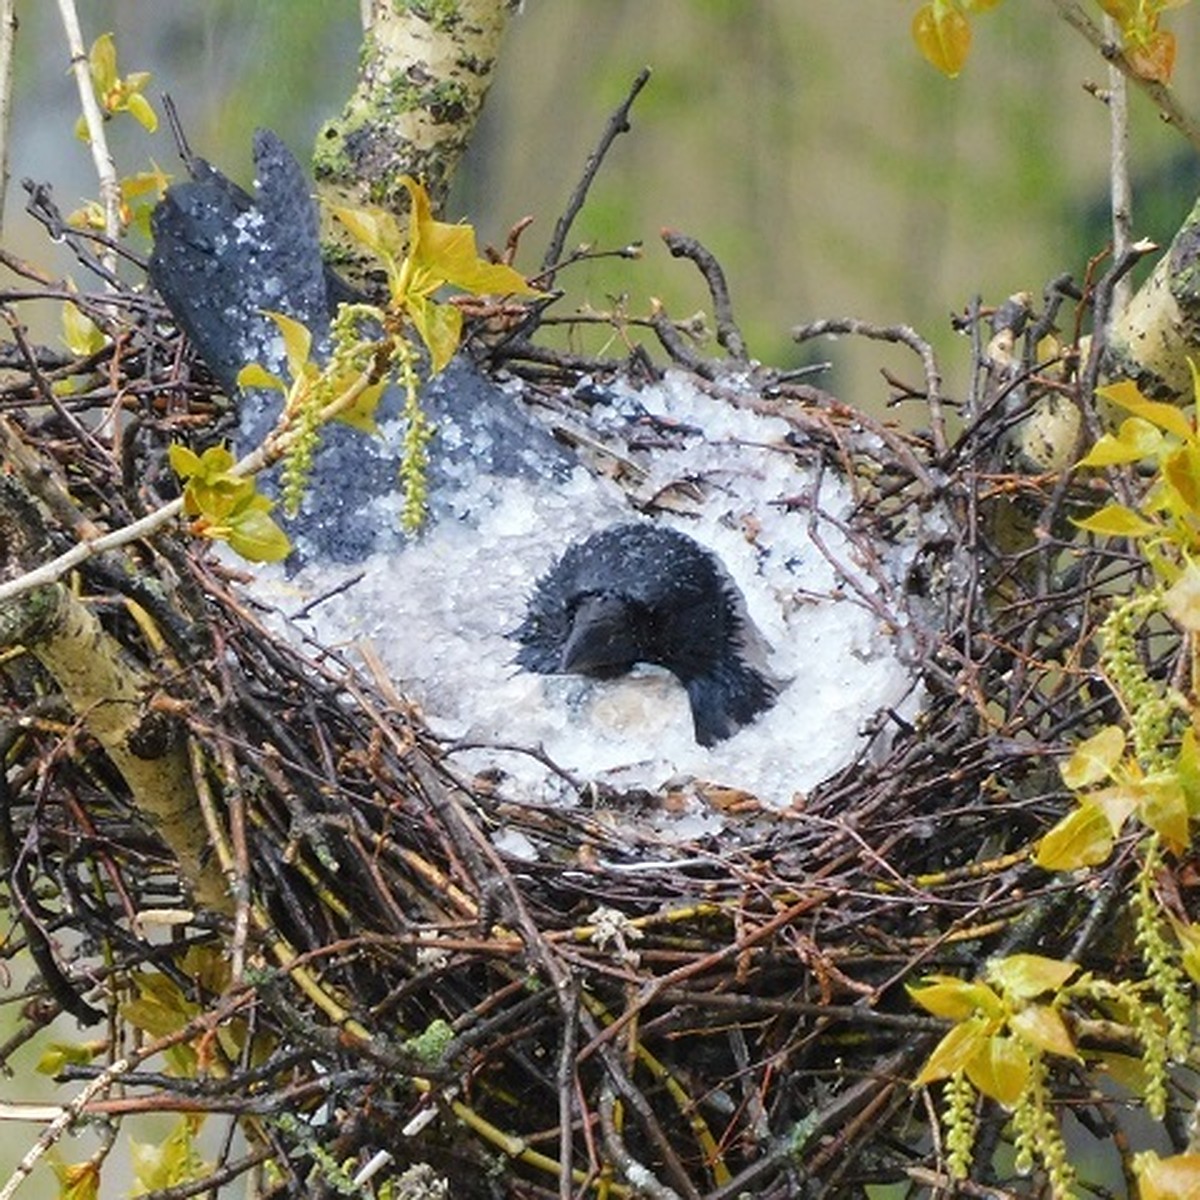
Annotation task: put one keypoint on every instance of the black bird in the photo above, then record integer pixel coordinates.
(641, 593)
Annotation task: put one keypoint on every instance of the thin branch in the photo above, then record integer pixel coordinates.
(1119, 182)
(728, 333)
(1160, 94)
(275, 446)
(8, 42)
(618, 123)
(903, 335)
(106, 168)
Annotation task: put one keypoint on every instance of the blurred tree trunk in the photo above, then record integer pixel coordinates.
(424, 72)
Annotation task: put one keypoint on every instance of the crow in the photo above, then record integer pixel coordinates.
(645, 593)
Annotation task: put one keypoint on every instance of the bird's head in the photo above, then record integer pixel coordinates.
(648, 594)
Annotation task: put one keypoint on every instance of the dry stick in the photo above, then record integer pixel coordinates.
(1159, 93)
(618, 123)
(106, 168)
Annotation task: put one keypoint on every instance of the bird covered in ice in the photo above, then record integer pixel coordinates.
(645, 593)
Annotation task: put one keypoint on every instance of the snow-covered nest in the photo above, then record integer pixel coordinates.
(512, 926)
(438, 611)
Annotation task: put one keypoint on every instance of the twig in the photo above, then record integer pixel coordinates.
(1119, 184)
(618, 123)
(1160, 94)
(276, 445)
(728, 333)
(106, 168)
(8, 41)
(906, 336)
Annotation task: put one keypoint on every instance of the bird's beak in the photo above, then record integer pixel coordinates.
(603, 640)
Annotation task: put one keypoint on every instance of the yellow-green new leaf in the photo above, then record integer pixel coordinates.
(1182, 599)
(1164, 808)
(955, 999)
(1174, 1178)
(378, 230)
(1000, 1070)
(1115, 520)
(1187, 770)
(1082, 838)
(102, 62)
(1136, 439)
(63, 1054)
(1094, 760)
(254, 535)
(1043, 1027)
(361, 414)
(78, 1181)
(1188, 936)
(1181, 470)
(297, 341)
(252, 375)
(446, 254)
(440, 328)
(943, 36)
(1126, 395)
(1024, 976)
(956, 1050)
(141, 110)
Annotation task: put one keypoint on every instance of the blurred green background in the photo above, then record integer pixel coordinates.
(808, 145)
(832, 171)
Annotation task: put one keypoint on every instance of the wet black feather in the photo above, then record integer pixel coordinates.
(643, 593)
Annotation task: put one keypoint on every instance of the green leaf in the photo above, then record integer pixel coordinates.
(1082, 838)
(1115, 520)
(956, 1050)
(1000, 1070)
(955, 999)
(256, 537)
(1043, 1027)
(1024, 976)
(1125, 394)
(1095, 759)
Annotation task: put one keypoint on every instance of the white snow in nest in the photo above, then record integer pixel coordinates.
(438, 613)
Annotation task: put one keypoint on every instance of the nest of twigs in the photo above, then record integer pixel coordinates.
(731, 1021)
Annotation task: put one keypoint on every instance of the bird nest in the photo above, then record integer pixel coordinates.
(388, 994)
